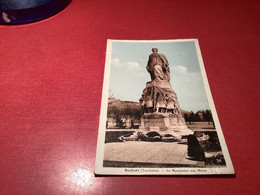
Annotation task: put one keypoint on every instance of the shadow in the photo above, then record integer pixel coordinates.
(194, 159)
(228, 176)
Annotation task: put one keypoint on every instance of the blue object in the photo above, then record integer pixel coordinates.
(25, 11)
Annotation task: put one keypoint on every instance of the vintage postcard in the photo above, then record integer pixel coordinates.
(157, 113)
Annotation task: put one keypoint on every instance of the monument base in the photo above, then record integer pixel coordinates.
(164, 123)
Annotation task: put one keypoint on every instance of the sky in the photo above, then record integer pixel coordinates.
(128, 74)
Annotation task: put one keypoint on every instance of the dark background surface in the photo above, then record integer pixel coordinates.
(51, 83)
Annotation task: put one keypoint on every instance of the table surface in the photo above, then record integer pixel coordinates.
(51, 82)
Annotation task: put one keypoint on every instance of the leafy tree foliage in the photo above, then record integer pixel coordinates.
(198, 117)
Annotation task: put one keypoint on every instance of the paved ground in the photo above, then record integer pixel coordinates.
(170, 153)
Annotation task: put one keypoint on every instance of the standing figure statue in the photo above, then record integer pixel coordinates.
(158, 66)
(162, 111)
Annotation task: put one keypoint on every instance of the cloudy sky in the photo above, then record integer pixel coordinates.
(128, 74)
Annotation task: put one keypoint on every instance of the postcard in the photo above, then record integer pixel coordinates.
(157, 112)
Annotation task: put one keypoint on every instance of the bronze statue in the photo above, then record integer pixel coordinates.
(158, 66)
(158, 95)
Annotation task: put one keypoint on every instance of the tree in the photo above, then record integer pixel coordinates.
(186, 117)
(208, 117)
(197, 117)
(192, 117)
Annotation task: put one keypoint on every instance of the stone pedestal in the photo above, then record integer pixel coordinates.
(164, 123)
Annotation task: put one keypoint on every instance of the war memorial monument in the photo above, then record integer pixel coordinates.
(161, 111)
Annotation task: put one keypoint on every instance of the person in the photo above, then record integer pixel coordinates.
(149, 104)
(158, 66)
(170, 104)
(160, 103)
